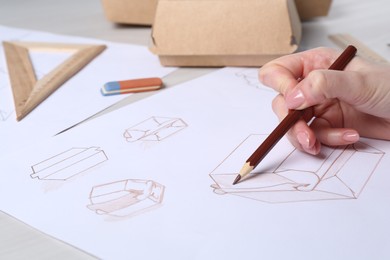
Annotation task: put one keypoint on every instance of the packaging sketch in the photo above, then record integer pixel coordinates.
(126, 198)
(288, 175)
(68, 164)
(154, 129)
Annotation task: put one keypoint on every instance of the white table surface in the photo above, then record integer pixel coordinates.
(369, 21)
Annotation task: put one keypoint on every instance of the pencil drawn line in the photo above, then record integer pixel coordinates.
(250, 77)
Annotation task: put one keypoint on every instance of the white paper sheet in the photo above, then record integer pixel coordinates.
(153, 181)
(79, 97)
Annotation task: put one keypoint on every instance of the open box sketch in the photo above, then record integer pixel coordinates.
(68, 164)
(288, 175)
(126, 198)
(154, 129)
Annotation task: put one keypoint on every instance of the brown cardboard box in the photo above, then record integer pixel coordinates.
(308, 9)
(143, 11)
(224, 32)
(130, 11)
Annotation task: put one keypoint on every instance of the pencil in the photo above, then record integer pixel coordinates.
(292, 117)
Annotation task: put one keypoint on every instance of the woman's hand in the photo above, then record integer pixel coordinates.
(346, 104)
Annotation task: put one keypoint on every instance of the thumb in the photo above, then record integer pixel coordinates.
(321, 85)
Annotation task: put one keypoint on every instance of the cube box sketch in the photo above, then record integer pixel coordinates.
(288, 175)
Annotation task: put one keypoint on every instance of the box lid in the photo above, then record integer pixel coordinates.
(226, 27)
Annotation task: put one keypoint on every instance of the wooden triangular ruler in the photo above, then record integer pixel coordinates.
(29, 92)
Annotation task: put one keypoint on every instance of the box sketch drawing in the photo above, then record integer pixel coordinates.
(154, 129)
(288, 175)
(68, 164)
(126, 198)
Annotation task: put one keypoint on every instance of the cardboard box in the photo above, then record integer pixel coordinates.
(308, 9)
(142, 11)
(130, 11)
(224, 32)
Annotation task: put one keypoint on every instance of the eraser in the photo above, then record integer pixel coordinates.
(131, 86)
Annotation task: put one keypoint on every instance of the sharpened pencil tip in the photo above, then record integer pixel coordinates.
(238, 178)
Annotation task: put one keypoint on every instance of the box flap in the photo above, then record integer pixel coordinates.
(226, 27)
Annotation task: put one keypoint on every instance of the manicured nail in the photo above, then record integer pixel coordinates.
(303, 139)
(351, 137)
(295, 99)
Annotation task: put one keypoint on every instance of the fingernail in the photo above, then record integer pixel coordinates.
(311, 150)
(303, 139)
(295, 99)
(351, 137)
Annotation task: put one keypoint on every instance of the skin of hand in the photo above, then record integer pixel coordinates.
(345, 104)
